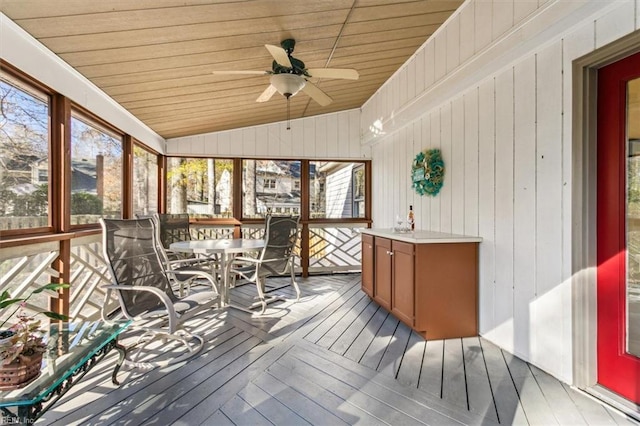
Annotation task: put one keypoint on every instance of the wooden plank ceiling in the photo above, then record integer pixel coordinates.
(156, 57)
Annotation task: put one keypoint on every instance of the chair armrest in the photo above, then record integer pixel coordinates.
(189, 261)
(192, 261)
(161, 295)
(243, 259)
(277, 259)
(194, 272)
(250, 260)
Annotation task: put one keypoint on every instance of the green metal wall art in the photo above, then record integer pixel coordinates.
(427, 172)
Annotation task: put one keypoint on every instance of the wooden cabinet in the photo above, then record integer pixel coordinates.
(367, 264)
(447, 290)
(382, 274)
(431, 287)
(403, 291)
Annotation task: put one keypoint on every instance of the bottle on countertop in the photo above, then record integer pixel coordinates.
(411, 219)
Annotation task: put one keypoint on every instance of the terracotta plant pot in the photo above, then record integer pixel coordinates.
(20, 372)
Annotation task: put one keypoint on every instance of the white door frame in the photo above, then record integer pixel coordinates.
(584, 204)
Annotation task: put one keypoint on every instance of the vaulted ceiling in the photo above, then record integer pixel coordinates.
(156, 57)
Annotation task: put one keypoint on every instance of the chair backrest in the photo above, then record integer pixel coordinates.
(281, 235)
(130, 249)
(173, 228)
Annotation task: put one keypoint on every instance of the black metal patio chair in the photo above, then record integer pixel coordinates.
(172, 228)
(143, 290)
(276, 258)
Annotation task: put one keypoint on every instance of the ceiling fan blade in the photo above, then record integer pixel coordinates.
(345, 73)
(316, 94)
(267, 94)
(241, 72)
(279, 54)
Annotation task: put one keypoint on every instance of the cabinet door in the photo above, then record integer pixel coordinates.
(367, 264)
(402, 299)
(382, 283)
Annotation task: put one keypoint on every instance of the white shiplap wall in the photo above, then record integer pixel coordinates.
(493, 91)
(331, 136)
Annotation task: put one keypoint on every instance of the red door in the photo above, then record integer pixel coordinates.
(618, 222)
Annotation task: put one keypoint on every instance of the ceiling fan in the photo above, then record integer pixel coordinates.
(289, 75)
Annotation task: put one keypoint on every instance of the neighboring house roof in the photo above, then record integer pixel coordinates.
(83, 176)
(83, 173)
(84, 166)
(18, 163)
(290, 168)
(293, 195)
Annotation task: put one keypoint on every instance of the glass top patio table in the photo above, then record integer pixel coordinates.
(73, 348)
(227, 247)
(224, 246)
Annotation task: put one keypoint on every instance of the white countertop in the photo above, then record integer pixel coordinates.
(421, 237)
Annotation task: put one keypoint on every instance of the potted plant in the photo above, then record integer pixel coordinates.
(21, 344)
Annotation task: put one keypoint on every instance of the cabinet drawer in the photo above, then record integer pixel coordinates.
(407, 248)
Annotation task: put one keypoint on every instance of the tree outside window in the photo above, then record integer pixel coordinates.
(96, 171)
(145, 181)
(200, 186)
(24, 155)
(358, 191)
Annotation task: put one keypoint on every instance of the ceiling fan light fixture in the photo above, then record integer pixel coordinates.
(287, 84)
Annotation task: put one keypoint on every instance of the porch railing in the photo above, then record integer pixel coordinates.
(332, 248)
(24, 268)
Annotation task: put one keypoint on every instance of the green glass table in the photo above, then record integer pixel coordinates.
(73, 349)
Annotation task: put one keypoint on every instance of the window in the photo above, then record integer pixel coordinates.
(96, 171)
(145, 181)
(336, 189)
(296, 185)
(200, 186)
(43, 175)
(24, 155)
(358, 191)
(268, 185)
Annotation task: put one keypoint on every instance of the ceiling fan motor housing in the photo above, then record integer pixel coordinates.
(298, 67)
(288, 45)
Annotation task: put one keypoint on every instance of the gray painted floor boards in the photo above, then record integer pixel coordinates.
(334, 358)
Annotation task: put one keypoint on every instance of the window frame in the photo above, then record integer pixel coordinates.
(29, 85)
(268, 183)
(299, 209)
(238, 217)
(159, 179)
(357, 164)
(165, 192)
(355, 199)
(127, 161)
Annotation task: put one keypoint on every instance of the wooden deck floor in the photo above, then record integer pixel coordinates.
(333, 358)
